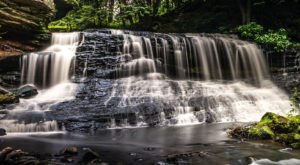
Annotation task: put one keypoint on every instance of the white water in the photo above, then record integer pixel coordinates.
(232, 102)
(281, 162)
(50, 67)
(200, 88)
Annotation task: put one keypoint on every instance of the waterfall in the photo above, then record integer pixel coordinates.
(50, 70)
(153, 79)
(194, 78)
(195, 56)
(51, 66)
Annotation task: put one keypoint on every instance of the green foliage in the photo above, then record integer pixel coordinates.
(250, 31)
(263, 132)
(112, 13)
(296, 45)
(277, 40)
(80, 19)
(74, 3)
(132, 13)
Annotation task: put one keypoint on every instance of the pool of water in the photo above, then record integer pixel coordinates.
(196, 144)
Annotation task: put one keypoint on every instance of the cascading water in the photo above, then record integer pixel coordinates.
(49, 68)
(52, 66)
(160, 79)
(194, 78)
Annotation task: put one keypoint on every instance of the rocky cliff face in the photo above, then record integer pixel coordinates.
(21, 25)
(22, 18)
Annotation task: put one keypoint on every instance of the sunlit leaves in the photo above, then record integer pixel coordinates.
(275, 39)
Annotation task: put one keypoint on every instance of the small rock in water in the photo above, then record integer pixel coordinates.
(139, 159)
(69, 150)
(286, 150)
(132, 154)
(2, 132)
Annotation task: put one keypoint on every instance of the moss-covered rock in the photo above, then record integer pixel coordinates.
(8, 99)
(289, 138)
(277, 123)
(263, 132)
(285, 130)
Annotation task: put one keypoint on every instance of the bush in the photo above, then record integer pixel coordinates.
(250, 31)
(277, 40)
(80, 19)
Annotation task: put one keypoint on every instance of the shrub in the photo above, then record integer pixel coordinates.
(250, 31)
(80, 19)
(277, 40)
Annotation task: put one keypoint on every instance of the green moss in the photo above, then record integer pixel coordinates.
(288, 138)
(8, 99)
(261, 133)
(285, 130)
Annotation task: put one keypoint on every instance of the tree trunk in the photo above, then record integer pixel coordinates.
(245, 9)
(111, 11)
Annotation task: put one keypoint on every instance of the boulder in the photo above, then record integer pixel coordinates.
(285, 130)
(2, 132)
(27, 91)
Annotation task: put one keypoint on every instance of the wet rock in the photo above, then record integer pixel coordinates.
(69, 155)
(8, 98)
(69, 151)
(88, 155)
(4, 152)
(27, 91)
(239, 132)
(13, 154)
(2, 132)
(96, 162)
(210, 117)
